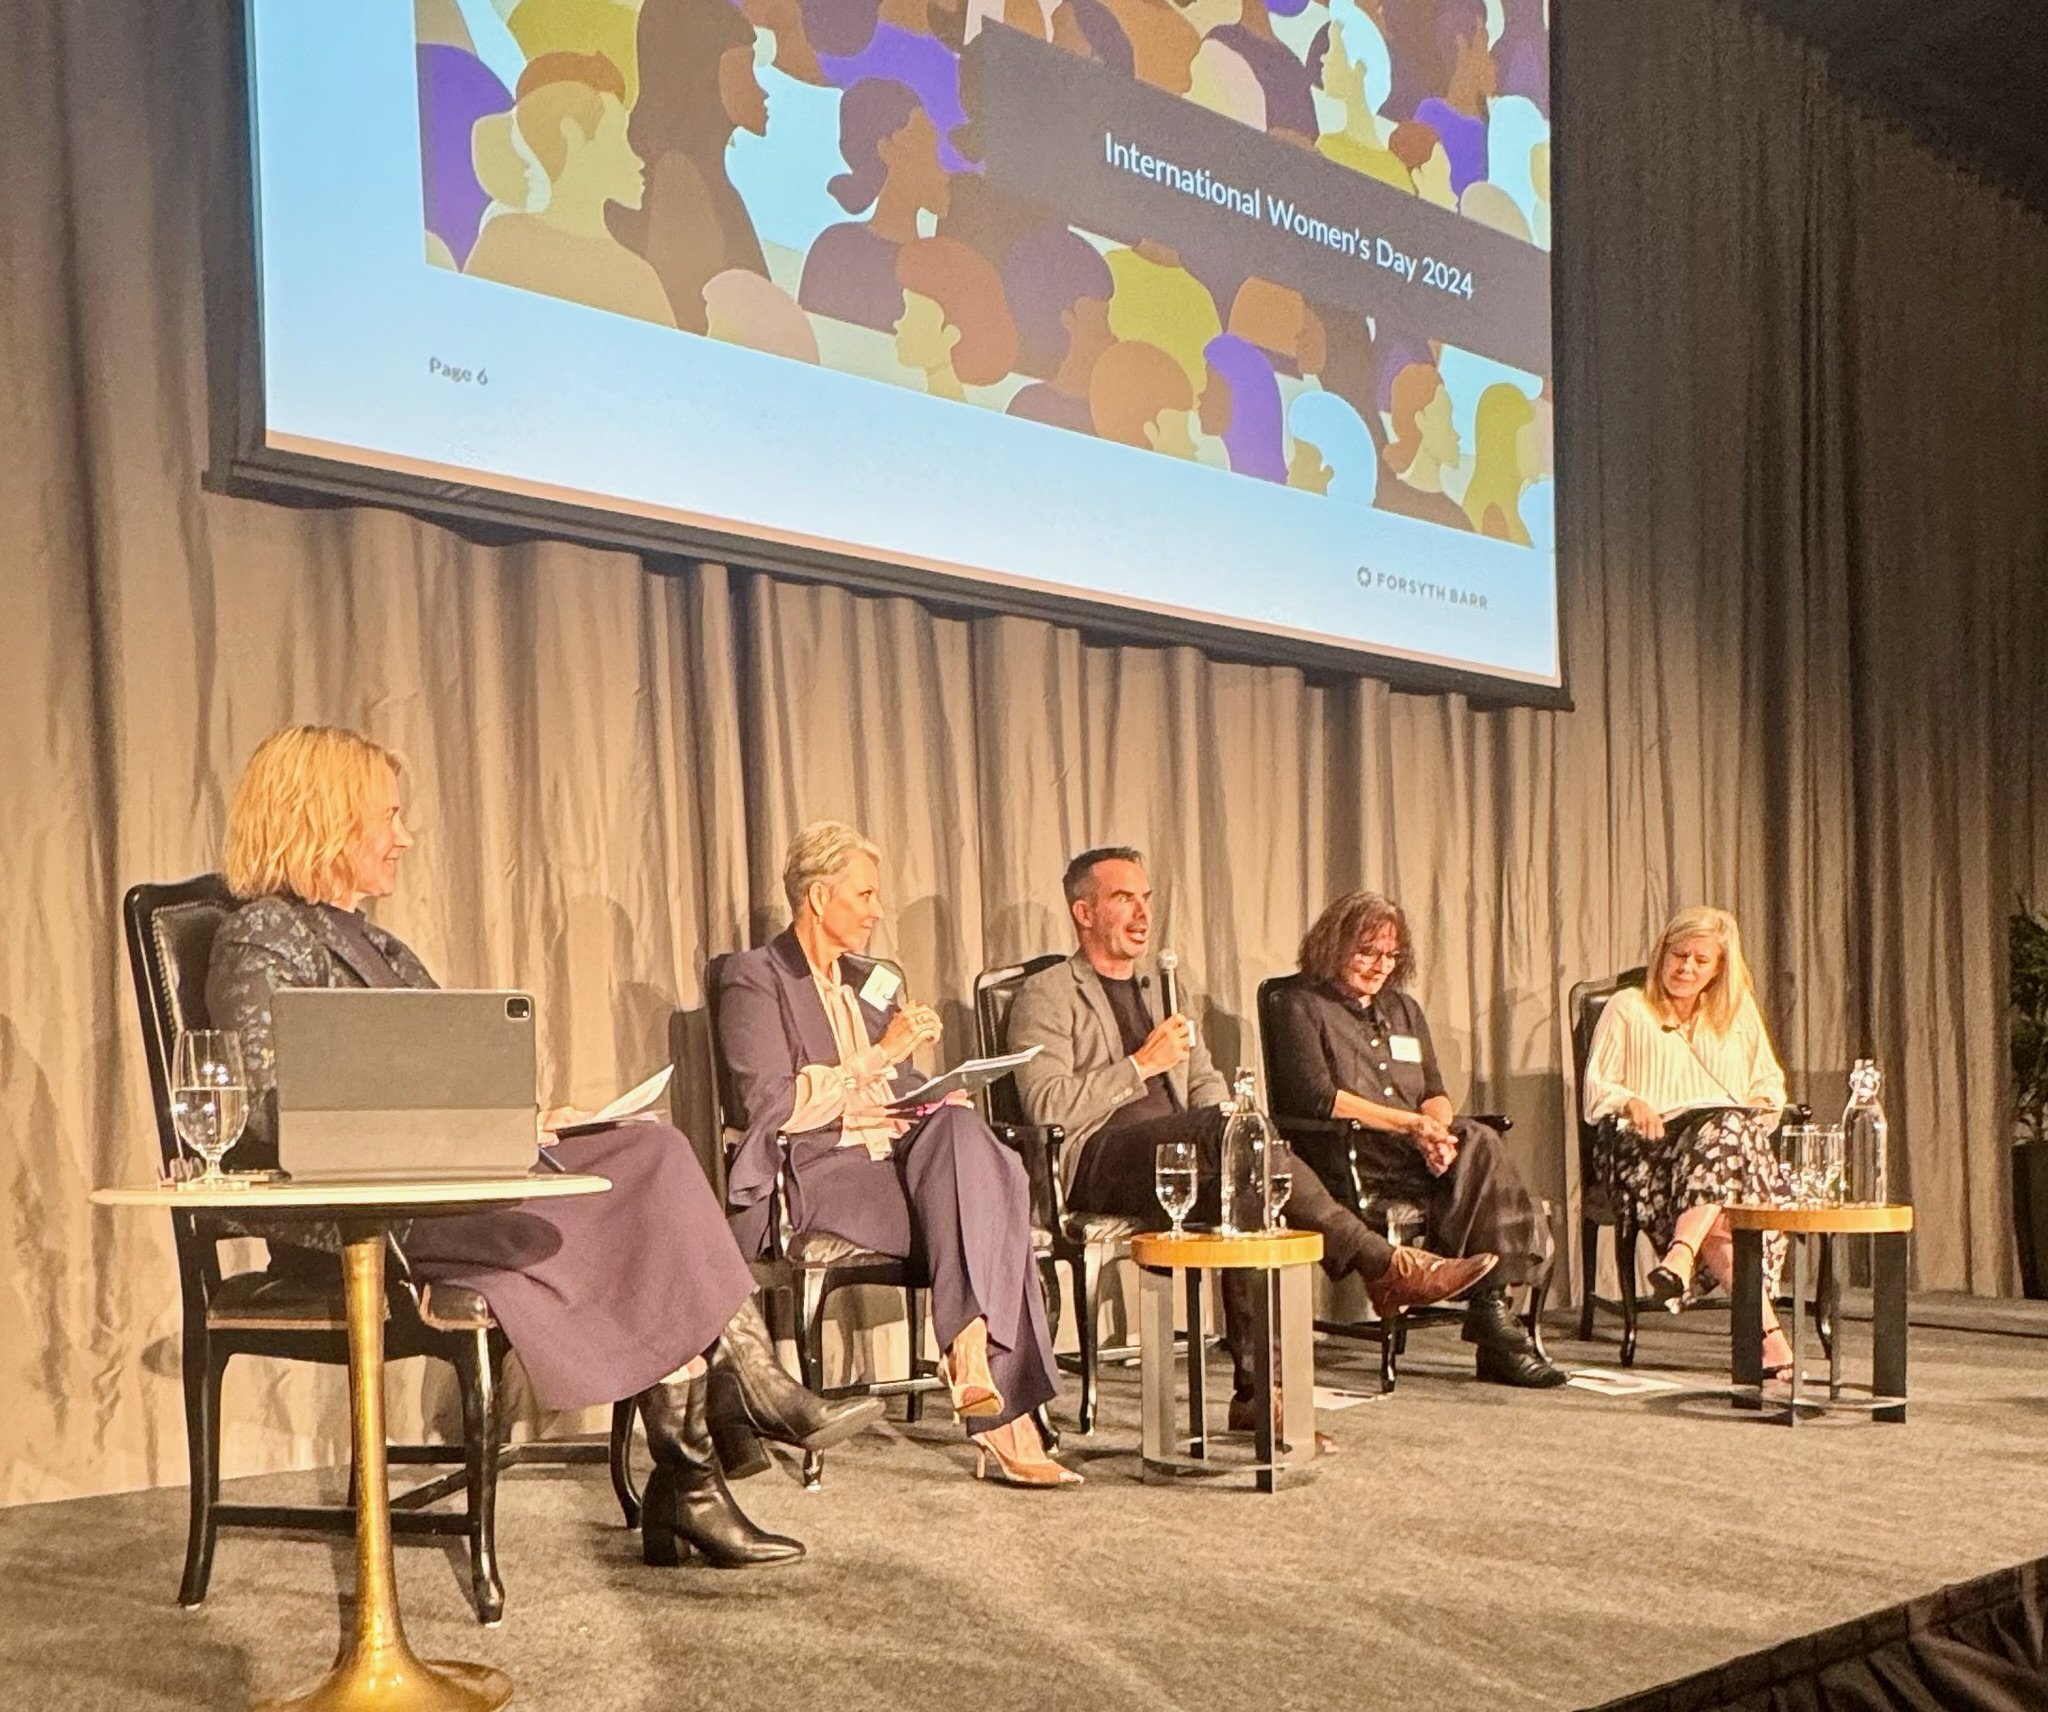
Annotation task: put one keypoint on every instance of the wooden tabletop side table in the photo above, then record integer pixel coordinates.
(1283, 1434)
(377, 1668)
(1889, 1228)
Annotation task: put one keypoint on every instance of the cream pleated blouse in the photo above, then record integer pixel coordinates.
(1637, 1054)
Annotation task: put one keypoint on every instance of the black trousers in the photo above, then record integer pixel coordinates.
(1115, 1175)
(1479, 1206)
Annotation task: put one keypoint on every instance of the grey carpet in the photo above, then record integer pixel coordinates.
(1470, 1548)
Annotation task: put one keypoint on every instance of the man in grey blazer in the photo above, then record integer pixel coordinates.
(1121, 1079)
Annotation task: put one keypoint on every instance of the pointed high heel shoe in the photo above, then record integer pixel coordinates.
(997, 1449)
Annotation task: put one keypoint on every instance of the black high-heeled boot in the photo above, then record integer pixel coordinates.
(750, 1393)
(686, 1501)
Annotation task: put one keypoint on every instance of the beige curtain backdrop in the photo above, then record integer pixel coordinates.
(1803, 372)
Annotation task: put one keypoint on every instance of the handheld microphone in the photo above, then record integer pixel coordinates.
(1169, 984)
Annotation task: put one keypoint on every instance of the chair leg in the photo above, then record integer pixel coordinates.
(482, 1428)
(1049, 1292)
(913, 1306)
(810, 1349)
(1390, 1349)
(1087, 1274)
(203, 1370)
(1625, 1239)
(1589, 1275)
(1539, 1293)
(621, 1459)
(1042, 1416)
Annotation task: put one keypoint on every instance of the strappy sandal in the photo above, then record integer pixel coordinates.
(1667, 1286)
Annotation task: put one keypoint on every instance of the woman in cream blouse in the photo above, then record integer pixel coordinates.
(1685, 1087)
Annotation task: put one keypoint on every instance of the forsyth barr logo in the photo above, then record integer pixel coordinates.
(1419, 588)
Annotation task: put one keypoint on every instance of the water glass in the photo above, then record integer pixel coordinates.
(1834, 1166)
(1174, 1177)
(209, 1097)
(1280, 1185)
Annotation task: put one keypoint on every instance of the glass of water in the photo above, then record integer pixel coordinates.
(1280, 1185)
(1174, 1177)
(209, 1098)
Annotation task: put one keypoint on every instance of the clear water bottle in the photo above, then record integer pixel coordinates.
(1866, 1137)
(1247, 1159)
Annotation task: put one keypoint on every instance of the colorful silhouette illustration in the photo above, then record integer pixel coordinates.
(1425, 444)
(1421, 153)
(1507, 459)
(1140, 396)
(1284, 82)
(954, 329)
(892, 168)
(893, 41)
(570, 119)
(1457, 113)
(1278, 320)
(1058, 287)
(801, 178)
(1333, 452)
(1241, 404)
(456, 90)
(1158, 302)
(1163, 43)
(542, 27)
(742, 308)
(697, 88)
(1353, 77)
(1522, 55)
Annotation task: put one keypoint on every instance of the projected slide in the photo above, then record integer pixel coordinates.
(1235, 311)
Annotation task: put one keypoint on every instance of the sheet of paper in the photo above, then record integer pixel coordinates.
(635, 1101)
(964, 1078)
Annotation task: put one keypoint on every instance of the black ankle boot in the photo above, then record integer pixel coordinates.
(1491, 1323)
(752, 1393)
(686, 1501)
(1507, 1354)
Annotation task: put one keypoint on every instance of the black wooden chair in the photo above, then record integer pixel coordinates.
(170, 930)
(1602, 1203)
(1605, 1205)
(1085, 1243)
(804, 1270)
(1329, 1147)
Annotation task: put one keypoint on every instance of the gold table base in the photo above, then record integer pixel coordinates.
(397, 1679)
(377, 1671)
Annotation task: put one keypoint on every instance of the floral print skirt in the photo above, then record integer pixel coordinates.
(1706, 1160)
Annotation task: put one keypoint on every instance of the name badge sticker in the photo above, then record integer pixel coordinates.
(1406, 1048)
(881, 987)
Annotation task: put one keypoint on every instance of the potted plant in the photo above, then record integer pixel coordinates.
(2029, 959)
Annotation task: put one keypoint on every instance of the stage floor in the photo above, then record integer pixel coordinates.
(1470, 1548)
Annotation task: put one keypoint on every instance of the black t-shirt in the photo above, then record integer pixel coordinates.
(1134, 1023)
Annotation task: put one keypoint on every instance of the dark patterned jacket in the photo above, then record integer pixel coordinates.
(273, 943)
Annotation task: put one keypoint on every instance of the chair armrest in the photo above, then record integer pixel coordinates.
(1328, 1146)
(1499, 1122)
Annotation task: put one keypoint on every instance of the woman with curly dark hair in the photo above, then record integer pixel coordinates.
(1351, 1042)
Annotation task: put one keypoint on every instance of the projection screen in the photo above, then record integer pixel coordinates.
(1227, 320)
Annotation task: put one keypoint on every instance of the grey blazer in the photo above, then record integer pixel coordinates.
(1083, 1074)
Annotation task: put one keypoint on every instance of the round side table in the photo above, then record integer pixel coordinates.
(1283, 1434)
(377, 1670)
(1889, 1227)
